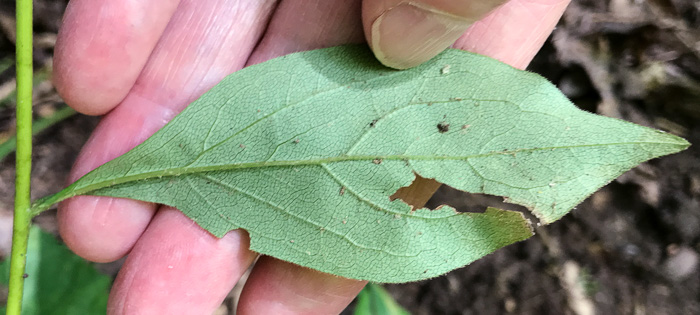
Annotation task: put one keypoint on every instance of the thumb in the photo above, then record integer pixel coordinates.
(406, 33)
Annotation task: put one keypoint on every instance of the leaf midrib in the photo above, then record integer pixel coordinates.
(75, 189)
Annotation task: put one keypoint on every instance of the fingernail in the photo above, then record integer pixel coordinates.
(408, 34)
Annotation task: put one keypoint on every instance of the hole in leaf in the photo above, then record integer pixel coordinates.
(418, 193)
(431, 194)
(464, 201)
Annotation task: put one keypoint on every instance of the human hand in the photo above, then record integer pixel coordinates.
(140, 62)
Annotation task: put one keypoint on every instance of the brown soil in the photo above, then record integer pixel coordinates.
(631, 248)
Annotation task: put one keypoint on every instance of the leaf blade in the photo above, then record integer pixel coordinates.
(308, 172)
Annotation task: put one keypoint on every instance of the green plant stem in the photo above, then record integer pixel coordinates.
(22, 216)
(39, 125)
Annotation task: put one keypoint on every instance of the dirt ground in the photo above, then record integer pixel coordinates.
(631, 248)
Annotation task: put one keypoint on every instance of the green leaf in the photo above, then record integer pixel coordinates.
(374, 300)
(58, 282)
(303, 152)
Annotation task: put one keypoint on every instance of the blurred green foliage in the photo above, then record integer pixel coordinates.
(58, 282)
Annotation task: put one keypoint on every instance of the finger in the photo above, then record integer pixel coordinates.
(103, 229)
(406, 33)
(178, 268)
(317, 24)
(514, 32)
(197, 50)
(277, 287)
(102, 47)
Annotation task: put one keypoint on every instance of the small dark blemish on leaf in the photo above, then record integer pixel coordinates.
(242, 146)
(377, 161)
(291, 241)
(465, 126)
(345, 221)
(443, 127)
(25, 276)
(342, 191)
(371, 124)
(455, 99)
(296, 141)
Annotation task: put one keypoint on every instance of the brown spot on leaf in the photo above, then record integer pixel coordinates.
(342, 191)
(443, 127)
(377, 161)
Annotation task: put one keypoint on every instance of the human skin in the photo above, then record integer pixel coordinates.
(139, 63)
